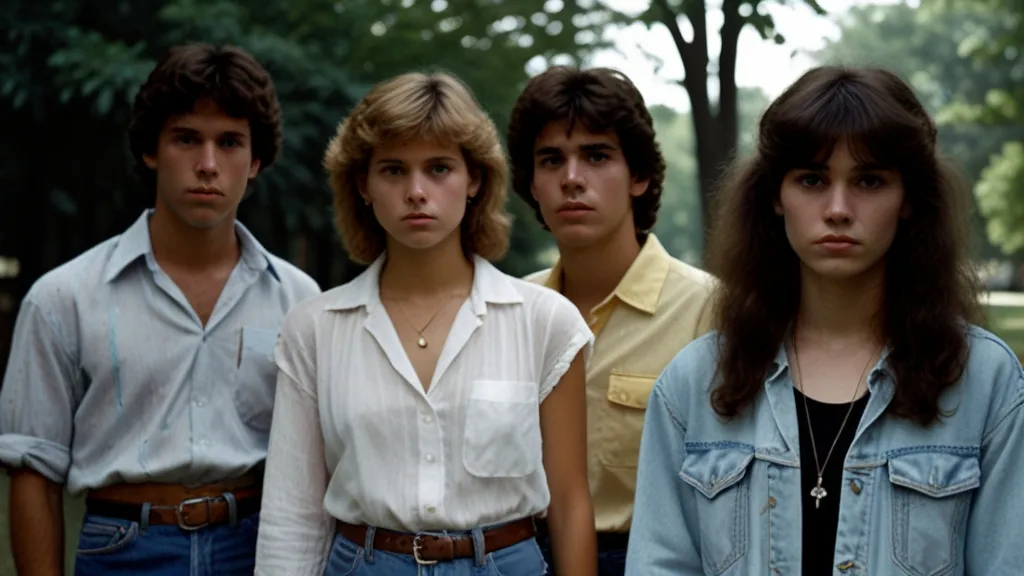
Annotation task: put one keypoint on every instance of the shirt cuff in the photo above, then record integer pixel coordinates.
(43, 456)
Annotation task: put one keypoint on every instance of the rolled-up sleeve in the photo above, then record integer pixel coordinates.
(37, 400)
(567, 334)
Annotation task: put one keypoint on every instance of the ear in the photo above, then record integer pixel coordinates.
(778, 206)
(361, 188)
(149, 160)
(639, 187)
(254, 168)
(474, 184)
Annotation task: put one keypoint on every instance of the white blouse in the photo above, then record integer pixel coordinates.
(356, 438)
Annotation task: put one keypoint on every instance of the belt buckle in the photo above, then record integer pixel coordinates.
(188, 502)
(416, 547)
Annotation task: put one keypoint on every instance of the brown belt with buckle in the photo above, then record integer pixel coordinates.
(433, 548)
(177, 505)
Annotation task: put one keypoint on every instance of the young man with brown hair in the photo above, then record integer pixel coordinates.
(141, 372)
(584, 156)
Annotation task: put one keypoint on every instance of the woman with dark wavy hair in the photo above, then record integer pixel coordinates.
(846, 416)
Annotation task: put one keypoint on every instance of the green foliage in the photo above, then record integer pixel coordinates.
(1000, 195)
(69, 70)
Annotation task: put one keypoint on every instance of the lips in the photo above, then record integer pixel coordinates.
(574, 207)
(205, 191)
(837, 239)
(418, 217)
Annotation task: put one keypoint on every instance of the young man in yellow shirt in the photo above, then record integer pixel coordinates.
(584, 155)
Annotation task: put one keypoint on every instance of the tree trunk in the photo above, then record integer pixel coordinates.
(715, 130)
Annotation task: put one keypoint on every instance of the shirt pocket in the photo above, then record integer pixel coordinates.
(718, 473)
(502, 436)
(256, 377)
(931, 495)
(623, 421)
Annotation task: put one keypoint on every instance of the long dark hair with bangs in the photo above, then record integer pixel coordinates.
(931, 290)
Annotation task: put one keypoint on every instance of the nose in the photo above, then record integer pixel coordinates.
(416, 193)
(838, 208)
(573, 181)
(206, 164)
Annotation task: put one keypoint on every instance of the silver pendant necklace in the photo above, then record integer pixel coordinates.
(819, 492)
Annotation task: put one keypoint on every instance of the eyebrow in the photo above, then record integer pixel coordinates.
(592, 147)
(431, 160)
(193, 132)
(868, 167)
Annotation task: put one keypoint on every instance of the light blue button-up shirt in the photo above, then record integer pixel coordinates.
(113, 378)
(724, 498)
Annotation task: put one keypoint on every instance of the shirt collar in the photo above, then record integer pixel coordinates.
(781, 363)
(490, 286)
(135, 242)
(642, 284)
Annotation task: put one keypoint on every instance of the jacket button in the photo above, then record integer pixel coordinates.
(855, 486)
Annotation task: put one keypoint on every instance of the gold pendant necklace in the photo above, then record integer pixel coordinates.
(421, 341)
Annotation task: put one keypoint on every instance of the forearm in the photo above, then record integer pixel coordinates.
(573, 539)
(37, 524)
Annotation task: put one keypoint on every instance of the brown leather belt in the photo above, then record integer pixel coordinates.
(434, 548)
(172, 504)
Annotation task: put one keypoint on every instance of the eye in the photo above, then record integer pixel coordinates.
(810, 180)
(391, 170)
(550, 161)
(230, 142)
(597, 157)
(439, 170)
(872, 182)
(184, 139)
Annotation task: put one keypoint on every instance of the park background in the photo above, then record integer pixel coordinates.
(69, 70)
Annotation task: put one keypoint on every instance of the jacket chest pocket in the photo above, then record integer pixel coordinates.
(931, 495)
(718, 473)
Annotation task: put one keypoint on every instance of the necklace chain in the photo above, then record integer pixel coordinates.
(422, 341)
(818, 492)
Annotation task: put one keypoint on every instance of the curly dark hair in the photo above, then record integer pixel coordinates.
(603, 100)
(227, 75)
(931, 289)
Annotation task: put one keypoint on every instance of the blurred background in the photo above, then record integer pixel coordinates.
(69, 70)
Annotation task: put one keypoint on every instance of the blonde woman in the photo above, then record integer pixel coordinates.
(429, 409)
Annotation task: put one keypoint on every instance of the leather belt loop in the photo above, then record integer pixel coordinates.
(144, 517)
(232, 508)
(371, 533)
(479, 548)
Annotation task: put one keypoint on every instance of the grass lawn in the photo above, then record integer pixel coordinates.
(1005, 319)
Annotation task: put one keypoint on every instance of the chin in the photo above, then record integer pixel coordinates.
(202, 219)
(839, 270)
(576, 236)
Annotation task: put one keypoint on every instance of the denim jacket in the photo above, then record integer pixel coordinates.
(718, 497)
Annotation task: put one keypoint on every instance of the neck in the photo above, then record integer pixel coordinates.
(848, 310)
(175, 242)
(443, 269)
(591, 273)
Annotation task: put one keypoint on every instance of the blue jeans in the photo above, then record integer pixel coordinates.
(350, 559)
(111, 547)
